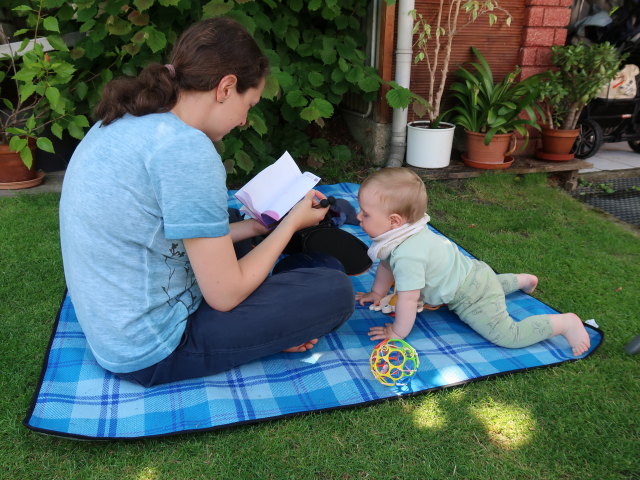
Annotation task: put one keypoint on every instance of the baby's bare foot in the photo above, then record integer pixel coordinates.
(527, 282)
(302, 347)
(572, 329)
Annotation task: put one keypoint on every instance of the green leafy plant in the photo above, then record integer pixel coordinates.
(484, 106)
(581, 71)
(315, 48)
(40, 96)
(434, 44)
(442, 31)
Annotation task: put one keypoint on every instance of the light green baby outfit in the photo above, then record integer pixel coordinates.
(432, 264)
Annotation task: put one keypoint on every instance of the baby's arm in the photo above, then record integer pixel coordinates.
(381, 285)
(404, 319)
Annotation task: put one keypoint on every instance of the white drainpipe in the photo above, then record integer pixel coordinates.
(404, 57)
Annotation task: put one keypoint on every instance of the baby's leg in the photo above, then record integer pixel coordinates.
(511, 282)
(481, 304)
(491, 320)
(489, 317)
(572, 329)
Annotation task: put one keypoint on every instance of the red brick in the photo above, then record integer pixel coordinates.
(556, 16)
(543, 56)
(528, 71)
(560, 37)
(538, 37)
(566, 3)
(534, 17)
(549, 3)
(529, 55)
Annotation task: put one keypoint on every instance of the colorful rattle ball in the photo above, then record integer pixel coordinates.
(393, 360)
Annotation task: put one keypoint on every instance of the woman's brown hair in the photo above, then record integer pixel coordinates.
(202, 56)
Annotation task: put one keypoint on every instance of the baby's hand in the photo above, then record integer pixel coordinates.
(371, 297)
(383, 333)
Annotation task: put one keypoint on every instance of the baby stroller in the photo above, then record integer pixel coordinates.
(614, 117)
(609, 120)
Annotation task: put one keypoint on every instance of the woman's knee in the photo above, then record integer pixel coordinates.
(334, 299)
(334, 289)
(322, 291)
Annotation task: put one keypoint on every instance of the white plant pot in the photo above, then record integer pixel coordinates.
(429, 147)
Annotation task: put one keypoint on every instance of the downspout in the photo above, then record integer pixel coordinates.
(404, 56)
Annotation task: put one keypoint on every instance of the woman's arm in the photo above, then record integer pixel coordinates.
(246, 229)
(226, 281)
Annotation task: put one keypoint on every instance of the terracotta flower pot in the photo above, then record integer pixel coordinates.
(556, 143)
(492, 156)
(13, 172)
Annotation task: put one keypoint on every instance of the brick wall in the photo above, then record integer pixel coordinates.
(546, 24)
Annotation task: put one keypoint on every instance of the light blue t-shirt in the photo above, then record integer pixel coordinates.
(132, 191)
(431, 263)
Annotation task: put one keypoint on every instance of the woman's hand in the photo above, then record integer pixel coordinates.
(307, 212)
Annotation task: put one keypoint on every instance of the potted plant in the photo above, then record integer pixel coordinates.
(492, 113)
(581, 71)
(433, 46)
(34, 95)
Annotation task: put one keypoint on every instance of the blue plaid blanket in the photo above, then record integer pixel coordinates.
(76, 398)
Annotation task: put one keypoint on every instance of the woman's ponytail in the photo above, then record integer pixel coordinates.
(202, 56)
(154, 90)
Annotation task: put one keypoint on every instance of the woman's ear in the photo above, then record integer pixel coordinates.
(225, 87)
(396, 220)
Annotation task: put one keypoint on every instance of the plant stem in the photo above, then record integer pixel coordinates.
(571, 121)
(447, 58)
(433, 113)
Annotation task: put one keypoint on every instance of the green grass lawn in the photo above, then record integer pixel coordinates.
(579, 420)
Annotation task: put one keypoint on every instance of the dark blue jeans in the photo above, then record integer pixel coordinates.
(308, 296)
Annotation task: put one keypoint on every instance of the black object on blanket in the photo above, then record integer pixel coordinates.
(327, 238)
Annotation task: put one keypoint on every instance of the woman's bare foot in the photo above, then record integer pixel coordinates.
(302, 347)
(527, 282)
(571, 328)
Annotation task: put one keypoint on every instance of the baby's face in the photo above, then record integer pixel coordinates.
(374, 220)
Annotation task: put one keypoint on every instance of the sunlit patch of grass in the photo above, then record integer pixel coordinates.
(148, 473)
(428, 415)
(507, 426)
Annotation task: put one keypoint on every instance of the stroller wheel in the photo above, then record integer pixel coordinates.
(589, 140)
(635, 145)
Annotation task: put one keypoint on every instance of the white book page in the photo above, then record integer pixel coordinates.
(269, 195)
(290, 195)
(263, 189)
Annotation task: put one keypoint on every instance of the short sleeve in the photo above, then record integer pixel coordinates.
(189, 181)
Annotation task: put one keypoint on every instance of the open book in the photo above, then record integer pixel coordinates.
(269, 195)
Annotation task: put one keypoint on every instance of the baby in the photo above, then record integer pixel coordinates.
(427, 267)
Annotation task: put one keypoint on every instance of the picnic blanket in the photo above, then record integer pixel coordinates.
(76, 398)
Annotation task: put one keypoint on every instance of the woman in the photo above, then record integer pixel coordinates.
(147, 246)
